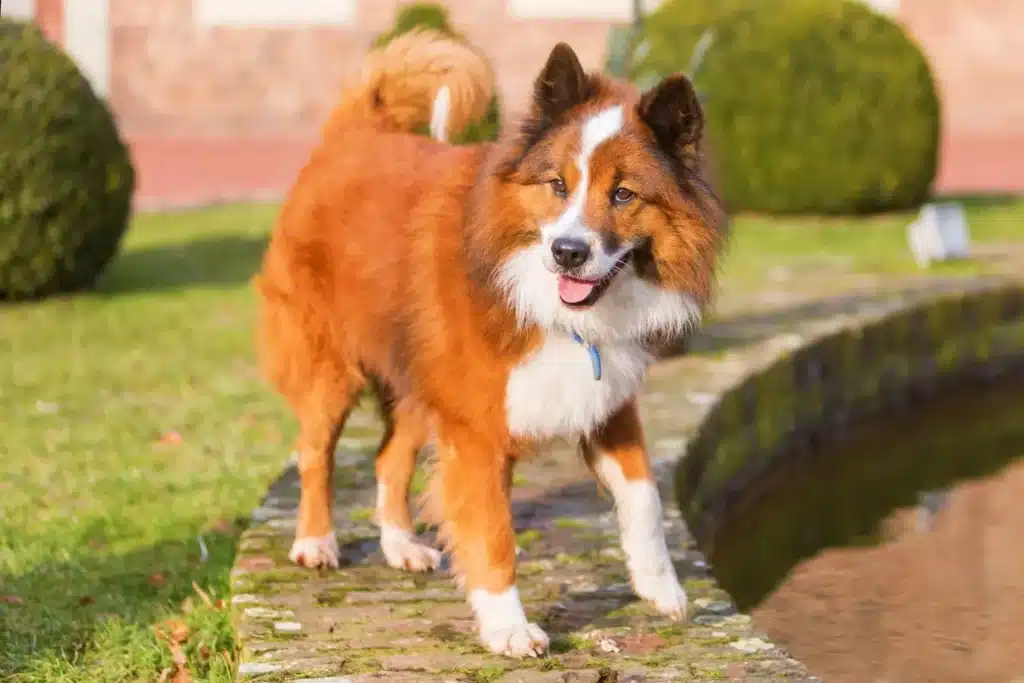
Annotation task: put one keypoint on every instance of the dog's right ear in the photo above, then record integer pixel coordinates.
(561, 85)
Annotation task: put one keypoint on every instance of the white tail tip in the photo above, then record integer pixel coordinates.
(440, 113)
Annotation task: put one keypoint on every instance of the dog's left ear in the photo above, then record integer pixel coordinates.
(673, 112)
(561, 85)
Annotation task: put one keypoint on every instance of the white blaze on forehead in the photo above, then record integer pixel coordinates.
(596, 130)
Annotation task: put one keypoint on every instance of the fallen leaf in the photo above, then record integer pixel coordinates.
(187, 605)
(220, 604)
(11, 600)
(204, 652)
(171, 438)
(222, 526)
(180, 674)
(202, 594)
(86, 600)
(173, 631)
(179, 632)
(156, 580)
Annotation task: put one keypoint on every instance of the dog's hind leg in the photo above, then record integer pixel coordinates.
(322, 414)
(405, 435)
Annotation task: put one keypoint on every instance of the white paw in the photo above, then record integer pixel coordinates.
(403, 551)
(315, 551)
(524, 640)
(663, 591)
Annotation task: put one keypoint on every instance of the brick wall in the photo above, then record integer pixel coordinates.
(169, 74)
(976, 48)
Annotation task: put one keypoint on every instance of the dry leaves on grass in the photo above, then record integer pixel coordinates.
(171, 438)
(156, 580)
(11, 600)
(222, 526)
(174, 632)
(204, 596)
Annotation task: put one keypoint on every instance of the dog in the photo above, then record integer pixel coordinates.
(496, 296)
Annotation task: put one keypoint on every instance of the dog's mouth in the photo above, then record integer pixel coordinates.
(580, 293)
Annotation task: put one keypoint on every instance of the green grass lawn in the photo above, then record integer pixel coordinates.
(134, 423)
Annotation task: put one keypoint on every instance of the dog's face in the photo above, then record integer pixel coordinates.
(609, 228)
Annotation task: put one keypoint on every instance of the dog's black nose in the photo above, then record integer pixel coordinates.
(570, 252)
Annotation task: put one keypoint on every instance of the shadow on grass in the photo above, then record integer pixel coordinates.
(203, 262)
(54, 615)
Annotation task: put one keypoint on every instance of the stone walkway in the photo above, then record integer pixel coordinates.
(367, 622)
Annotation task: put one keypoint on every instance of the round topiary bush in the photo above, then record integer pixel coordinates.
(66, 179)
(434, 16)
(812, 106)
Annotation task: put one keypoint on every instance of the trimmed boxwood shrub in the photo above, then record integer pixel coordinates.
(434, 16)
(66, 179)
(813, 106)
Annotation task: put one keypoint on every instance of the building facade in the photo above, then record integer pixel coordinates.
(266, 71)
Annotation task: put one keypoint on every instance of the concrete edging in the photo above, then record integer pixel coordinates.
(878, 363)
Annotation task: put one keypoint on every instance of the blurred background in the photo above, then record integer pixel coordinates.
(224, 98)
(145, 146)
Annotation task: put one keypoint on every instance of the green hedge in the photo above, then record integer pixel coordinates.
(434, 16)
(66, 179)
(813, 106)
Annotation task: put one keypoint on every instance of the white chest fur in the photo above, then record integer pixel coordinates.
(553, 391)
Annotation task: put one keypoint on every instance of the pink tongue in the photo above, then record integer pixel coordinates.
(574, 291)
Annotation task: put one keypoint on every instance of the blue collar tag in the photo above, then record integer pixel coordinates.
(595, 355)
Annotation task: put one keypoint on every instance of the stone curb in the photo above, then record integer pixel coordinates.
(887, 361)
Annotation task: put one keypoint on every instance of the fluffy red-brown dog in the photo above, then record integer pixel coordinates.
(496, 296)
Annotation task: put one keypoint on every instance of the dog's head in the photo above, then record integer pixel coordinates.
(603, 221)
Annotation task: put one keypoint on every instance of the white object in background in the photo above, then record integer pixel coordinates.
(939, 233)
(18, 9)
(889, 7)
(274, 13)
(87, 40)
(599, 10)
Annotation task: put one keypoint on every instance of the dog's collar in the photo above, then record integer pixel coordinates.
(595, 355)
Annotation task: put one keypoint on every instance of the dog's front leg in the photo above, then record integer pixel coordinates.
(617, 455)
(473, 492)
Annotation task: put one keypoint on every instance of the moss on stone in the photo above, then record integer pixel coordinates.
(486, 674)
(570, 523)
(361, 514)
(527, 538)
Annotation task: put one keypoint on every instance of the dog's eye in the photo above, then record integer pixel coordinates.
(558, 185)
(623, 195)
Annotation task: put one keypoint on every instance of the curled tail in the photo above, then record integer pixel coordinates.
(421, 78)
